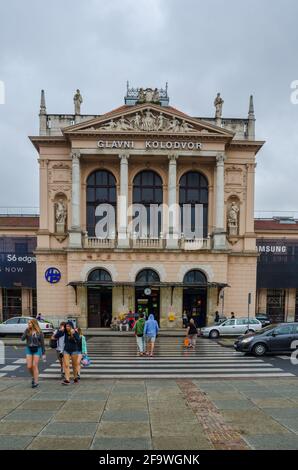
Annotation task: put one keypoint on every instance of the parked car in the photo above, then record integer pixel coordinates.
(264, 319)
(237, 326)
(272, 339)
(17, 325)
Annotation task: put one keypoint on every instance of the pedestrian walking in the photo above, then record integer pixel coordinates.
(216, 318)
(59, 347)
(150, 331)
(35, 349)
(71, 351)
(83, 351)
(233, 316)
(192, 333)
(139, 332)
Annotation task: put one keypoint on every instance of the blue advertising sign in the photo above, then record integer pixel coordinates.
(52, 275)
(17, 270)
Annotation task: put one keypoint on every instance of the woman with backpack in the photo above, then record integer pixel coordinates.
(150, 331)
(35, 349)
(71, 352)
(139, 332)
(58, 344)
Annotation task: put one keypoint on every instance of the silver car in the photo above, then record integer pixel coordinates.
(232, 327)
(17, 325)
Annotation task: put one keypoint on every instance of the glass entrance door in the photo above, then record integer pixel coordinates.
(99, 307)
(148, 301)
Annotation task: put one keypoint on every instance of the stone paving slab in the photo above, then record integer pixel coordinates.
(126, 415)
(30, 428)
(116, 443)
(132, 429)
(76, 416)
(233, 404)
(14, 442)
(269, 442)
(42, 405)
(69, 429)
(56, 443)
(181, 443)
(29, 415)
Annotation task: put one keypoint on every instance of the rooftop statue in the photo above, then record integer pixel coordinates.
(78, 100)
(218, 103)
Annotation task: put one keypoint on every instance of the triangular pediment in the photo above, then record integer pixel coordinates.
(147, 118)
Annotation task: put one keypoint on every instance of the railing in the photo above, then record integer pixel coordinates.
(19, 211)
(93, 242)
(195, 244)
(155, 243)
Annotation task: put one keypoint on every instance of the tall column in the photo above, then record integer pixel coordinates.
(172, 240)
(123, 238)
(219, 232)
(75, 233)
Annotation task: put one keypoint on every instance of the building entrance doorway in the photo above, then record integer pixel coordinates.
(99, 307)
(195, 297)
(147, 295)
(99, 299)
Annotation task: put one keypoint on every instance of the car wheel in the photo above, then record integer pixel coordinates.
(259, 349)
(249, 331)
(213, 334)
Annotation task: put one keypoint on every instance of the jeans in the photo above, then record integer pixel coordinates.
(66, 363)
(141, 343)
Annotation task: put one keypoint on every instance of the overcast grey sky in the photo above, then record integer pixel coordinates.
(237, 47)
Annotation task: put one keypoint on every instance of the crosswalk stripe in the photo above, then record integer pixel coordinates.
(9, 368)
(167, 366)
(175, 376)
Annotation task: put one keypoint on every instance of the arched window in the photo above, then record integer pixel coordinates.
(147, 191)
(147, 276)
(193, 190)
(195, 277)
(99, 275)
(101, 189)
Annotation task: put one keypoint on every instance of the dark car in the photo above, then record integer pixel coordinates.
(271, 339)
(263, 318)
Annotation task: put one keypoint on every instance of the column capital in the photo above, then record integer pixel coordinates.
(123, 157)
(220, 158)
(75, 155)
(173, 157)
(43, 162)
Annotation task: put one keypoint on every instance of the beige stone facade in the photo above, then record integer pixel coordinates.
(71, 148)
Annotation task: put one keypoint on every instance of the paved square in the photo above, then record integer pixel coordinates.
(149, 414)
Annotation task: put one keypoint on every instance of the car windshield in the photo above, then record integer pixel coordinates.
(263, 330)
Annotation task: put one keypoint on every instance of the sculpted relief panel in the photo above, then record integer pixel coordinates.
(148, 121)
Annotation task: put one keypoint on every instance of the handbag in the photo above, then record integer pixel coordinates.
(85, 361)
(53, 343)
(186, 342)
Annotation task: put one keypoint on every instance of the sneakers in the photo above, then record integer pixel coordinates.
(76, 381)
(78, 377)
(34, 385)
(65, 382)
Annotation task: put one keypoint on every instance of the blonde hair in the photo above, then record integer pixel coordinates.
(35, 326)
(80, 331)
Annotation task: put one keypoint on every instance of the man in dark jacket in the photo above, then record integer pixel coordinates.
(72, 349)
